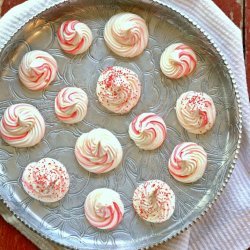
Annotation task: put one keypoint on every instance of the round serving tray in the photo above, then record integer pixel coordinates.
(64, 222)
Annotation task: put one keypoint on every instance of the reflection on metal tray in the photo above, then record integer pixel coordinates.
(64, 222)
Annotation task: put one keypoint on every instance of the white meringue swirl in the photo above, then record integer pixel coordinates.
(103, 208)
(126, 34)
(188, 162)
(22, 125)
(196, 112)
(178, 60)
(148, 131)
(154, 201)
(37, 70)
(74, 37)
(98, 151)
(118, 89)
(46, 180)
(71, 105)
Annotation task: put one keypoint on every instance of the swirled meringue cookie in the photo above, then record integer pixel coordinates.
(104, 208)
(154, 201)
(74, 37)
(196, 112)
(178, 60)
(188, 162)
(118, 89)
(98, 151)
(22, 125)
(37, 70)
(71, 105)
(126, 34)
(46, 180)
(148, 131)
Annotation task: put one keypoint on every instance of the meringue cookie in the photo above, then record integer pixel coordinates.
(178, 60)
(98, 151)
(71, 105)
(148, 131)
(196, 112)
(37, 70)
(46, 180)
(104, 208)
(22, 125)
(74, 37)
(154, 201)
(126, 34)
(188, 162)
(118, 89)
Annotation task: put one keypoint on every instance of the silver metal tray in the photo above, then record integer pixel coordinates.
(64, 222)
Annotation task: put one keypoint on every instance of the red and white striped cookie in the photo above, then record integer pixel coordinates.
(74, 37)
(103, 208)
(126, 34)
(98, 151)
(178, 60)
(22, 125)
(148, 131)
(71, 105)
(188, 162)
(37, 70)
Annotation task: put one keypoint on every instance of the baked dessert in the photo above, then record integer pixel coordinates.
(196, 112)
(22, 125)
(126, 34)
(71, 105)
(74, 37)
(103, 208)
(46, 180)
(188, 162)
(118, 89)
(37, 70)
(154, 201)
(178, 60)
(98, 151)
(148, 131)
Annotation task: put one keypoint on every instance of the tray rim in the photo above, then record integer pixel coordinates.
(40, 6)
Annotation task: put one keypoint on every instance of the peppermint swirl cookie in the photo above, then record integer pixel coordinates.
(118, 89)
(178, 60)
(22, 125)
(188, 162)
(74, 37)
(154, 201)
(148, 131)
(71, 105)
(126, 34)
(37, 70)
(196, 112)
(46, 180)
(98, 151)
(103, 208)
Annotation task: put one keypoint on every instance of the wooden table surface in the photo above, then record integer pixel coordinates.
(237, 10)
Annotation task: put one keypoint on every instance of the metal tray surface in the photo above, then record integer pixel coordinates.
(64, 222)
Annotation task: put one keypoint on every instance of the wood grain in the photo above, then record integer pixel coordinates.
(8, 4)
(237, 10)
(11, 239)
(233, 9)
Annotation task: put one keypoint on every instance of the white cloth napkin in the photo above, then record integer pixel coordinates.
(227, 223)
